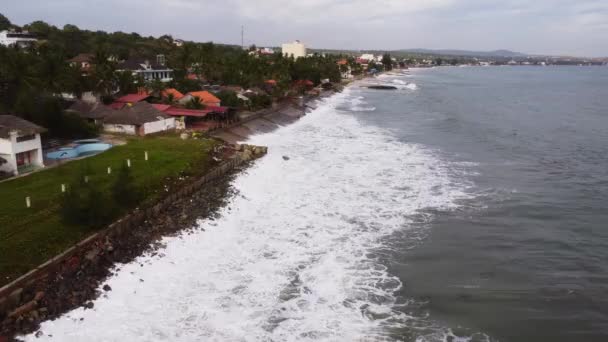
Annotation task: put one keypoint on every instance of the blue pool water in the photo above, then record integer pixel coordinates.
(85, 148)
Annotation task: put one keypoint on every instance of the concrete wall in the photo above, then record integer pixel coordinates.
(159, 126)
(124, 129)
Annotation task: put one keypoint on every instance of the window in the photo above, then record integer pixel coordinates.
(23, 158)
(26, 137)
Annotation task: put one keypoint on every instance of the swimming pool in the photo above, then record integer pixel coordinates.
(82, 149)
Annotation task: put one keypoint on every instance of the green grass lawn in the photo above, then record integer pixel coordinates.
(30, 236)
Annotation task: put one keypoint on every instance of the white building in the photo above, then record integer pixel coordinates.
(367, 57)
(22, 39)
(295, 49)
(138, 119)
(20, 146)
(148, 70)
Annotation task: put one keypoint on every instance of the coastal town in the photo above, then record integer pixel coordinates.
(100, 128)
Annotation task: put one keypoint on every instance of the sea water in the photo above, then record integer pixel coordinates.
(468, 205)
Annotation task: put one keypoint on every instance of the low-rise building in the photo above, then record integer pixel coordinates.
(21, 39)
(84, 61)
(140, 119)
(20, 145)
(295, 49)
(149, 71)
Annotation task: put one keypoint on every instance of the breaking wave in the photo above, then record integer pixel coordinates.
(292, 256)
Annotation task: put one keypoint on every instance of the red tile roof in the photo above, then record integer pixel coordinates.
(133, 98)
(117, 105)
(176, 94)
(271, 82)
(161, 107)
(205, 96)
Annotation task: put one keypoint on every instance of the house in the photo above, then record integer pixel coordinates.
(345, 69)
(21, 39)
(129, 99)
(148, 70)
(295, 49)
(197, 119)
(140, 119)
(93, 112)
(177, 95)
(84, 61)
(20, 146)
(206, 98)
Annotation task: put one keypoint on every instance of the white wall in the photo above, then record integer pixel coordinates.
(159, 126)
(10, 147)
(125, 129)
(295, 49)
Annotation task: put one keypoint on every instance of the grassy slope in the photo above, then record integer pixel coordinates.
(28, 237)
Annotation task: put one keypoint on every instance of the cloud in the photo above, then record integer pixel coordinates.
(542, 26)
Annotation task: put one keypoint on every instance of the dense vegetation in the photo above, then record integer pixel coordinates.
(32, 79)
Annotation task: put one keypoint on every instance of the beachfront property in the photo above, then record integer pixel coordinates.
(295, 49)
(20, 145)
(149, 71)
(205, 97)
(139, 119)
(21, 39)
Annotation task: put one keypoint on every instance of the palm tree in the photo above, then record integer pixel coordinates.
(195, 103)
(155, 87)
(104, 72)
(169, 99)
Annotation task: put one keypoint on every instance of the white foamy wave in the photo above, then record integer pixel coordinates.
(290, 258)
(358, 104)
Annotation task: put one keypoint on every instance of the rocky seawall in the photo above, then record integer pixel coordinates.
(268, 120)
(73, 278)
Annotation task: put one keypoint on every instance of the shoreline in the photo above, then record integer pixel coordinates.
(73, 278)
(75, 281)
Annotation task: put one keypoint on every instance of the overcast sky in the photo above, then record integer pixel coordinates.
(566, 27)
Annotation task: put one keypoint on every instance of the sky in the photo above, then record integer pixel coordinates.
(549, 27)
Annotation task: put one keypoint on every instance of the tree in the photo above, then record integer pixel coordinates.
(104, 72)
(124, 191)
(195, 103)
(155, 87)
(126, 82)
(5, 24)
(169, 99)
(84, 204)
(228, 98)
(387, 62)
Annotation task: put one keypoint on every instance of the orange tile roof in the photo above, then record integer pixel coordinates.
(205, 96)
(342, 62)
(176, 94)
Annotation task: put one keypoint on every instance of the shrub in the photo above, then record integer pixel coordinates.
(124, 191)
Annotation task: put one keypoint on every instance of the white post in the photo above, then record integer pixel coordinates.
(62, 187)
(146, 155)
(109, 170)
(128, 162)
(86, 179)
(28, 202)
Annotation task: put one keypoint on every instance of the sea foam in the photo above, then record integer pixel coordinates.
(291, 257)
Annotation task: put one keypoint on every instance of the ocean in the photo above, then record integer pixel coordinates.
(470, 204)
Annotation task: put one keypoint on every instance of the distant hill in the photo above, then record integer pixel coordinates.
(497, 53)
